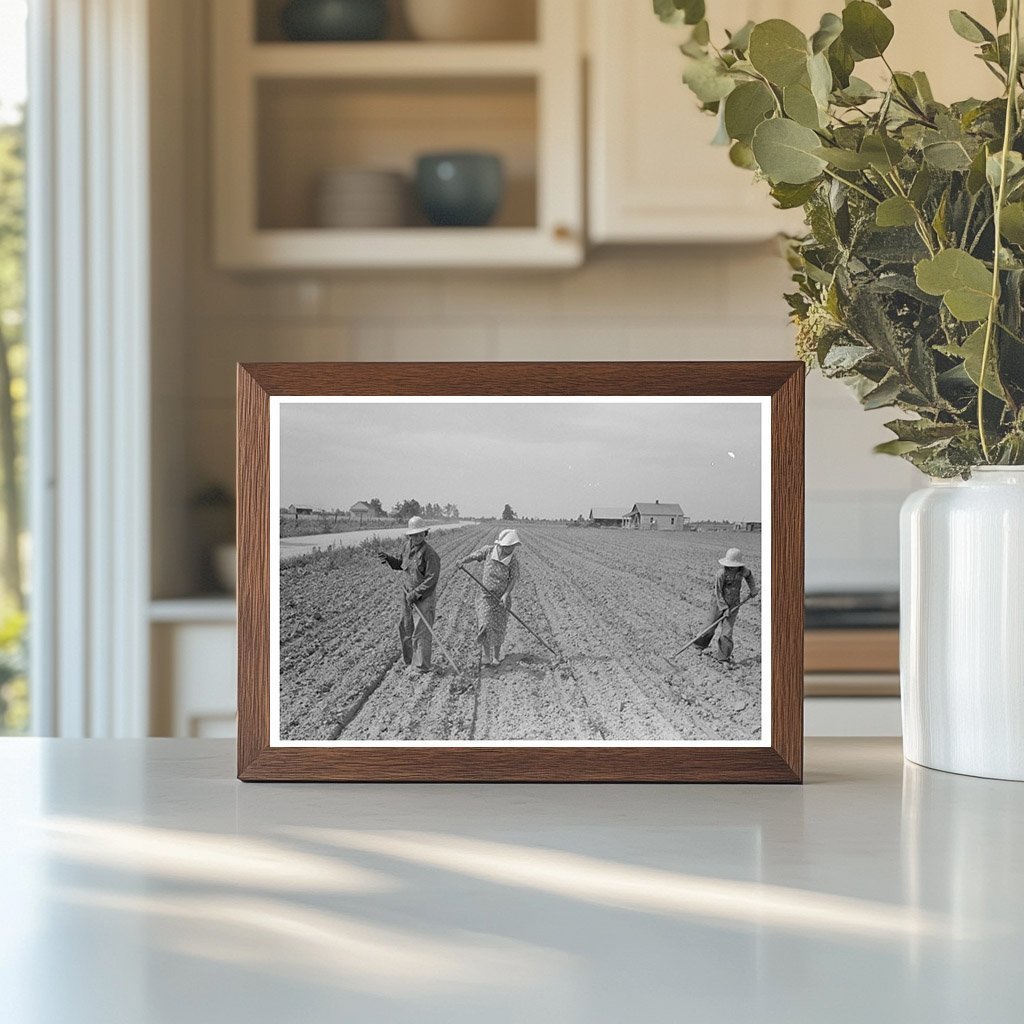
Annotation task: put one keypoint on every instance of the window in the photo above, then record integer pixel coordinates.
(14, 703)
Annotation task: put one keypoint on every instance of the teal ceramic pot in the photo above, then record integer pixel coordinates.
(332, 21)
(460, 189)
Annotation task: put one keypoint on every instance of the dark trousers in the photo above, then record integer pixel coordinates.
(724, 652)
(414, 634)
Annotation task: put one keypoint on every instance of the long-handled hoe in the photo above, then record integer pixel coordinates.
(439, 645)
(560, 659)
(706, 629)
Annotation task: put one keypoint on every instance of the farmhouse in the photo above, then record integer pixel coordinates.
(300, 510)
(360, 508)
(608, 516)
(657, 516)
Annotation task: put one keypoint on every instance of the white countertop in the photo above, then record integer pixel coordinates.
(143, 885)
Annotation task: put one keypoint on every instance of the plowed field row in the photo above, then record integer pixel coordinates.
(612, 602)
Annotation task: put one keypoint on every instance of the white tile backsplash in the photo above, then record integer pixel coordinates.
(714, 303)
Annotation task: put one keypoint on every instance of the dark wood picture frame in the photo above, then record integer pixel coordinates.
(781, 761)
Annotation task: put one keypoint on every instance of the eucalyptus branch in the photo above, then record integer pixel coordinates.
(923, 227)
(981, 231)
(853, 185)
(1000, 199)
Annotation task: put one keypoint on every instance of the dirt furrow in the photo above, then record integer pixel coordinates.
(612, 601)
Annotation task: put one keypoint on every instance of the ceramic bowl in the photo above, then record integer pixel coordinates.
(460, 189)
(358, 197)
(334, 20)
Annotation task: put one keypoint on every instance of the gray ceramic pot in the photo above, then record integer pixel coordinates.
(460, 189)
(334, 20)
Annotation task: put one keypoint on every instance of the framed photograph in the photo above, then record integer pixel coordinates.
(520, 572)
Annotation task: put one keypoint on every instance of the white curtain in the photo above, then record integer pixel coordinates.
(88, 319)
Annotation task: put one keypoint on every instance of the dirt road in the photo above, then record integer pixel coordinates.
(613, 602)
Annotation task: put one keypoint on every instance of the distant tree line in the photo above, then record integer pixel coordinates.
(410, 507)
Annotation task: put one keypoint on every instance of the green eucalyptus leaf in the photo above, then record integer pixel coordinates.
(946, 156)
(844, 159)
(778, 50)
(885, 394)
(745, 108)
(701, 33)
(895, 447)
(829, 30)
(906, 89)
(883, 153)
(800, 105)
(1012, 223)
(971, 352)
(788, 196)
(785, 152)
(999, 7)
(708, 80)
(963, 281)
(668, 12)
(741, 155)
(866, 29)
(820, 76)
(976, 173)
(994, 168)
(739, 41)
(921, 185)
(923, 431)
(924, 87)
(694, 11)
(858, 91)
(939, 220)
(676, 12)
(841, 60)
(895, 212)
(969, 28)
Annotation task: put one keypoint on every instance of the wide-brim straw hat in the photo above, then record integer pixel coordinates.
(508, 539)
(417, 525)
(733, 559)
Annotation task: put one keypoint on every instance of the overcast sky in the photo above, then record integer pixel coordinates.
(545, 460)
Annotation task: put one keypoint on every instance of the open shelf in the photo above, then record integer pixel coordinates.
(520, 17)
(308, 127)
(393, 60)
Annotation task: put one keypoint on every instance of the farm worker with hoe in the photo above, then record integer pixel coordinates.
(500, 576)
(422, 567)
(728, 583)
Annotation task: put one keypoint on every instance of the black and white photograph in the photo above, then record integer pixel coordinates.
(520, 571)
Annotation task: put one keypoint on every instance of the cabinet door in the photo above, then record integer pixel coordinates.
(653, 174)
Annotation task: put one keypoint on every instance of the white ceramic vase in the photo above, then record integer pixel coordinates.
(962, 624)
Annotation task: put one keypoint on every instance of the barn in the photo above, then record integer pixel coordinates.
(608, 516)
(657, 515)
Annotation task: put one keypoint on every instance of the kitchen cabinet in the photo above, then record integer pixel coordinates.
(653, 175)
(193, 669)
(287, 113)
